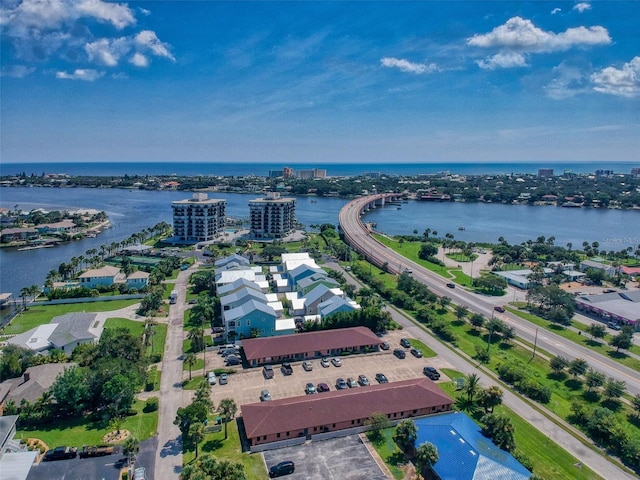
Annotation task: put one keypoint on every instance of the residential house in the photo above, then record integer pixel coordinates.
(231, 261)
(18, 234)
(32, 384)
(591, 264)
(138, 280)
(104, 276)
(337, 305)
(320, 294)
(250, 317)
(307, 284)
(64, 333)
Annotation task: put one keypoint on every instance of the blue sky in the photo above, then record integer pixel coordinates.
(287, 82)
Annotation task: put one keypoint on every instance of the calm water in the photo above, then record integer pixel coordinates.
(132, 211)
(333, 169)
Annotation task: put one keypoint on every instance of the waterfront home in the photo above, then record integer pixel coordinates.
(105, 276)
(9, 235)
(591, 264)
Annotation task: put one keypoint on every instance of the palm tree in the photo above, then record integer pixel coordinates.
(197, 340)
(426, 456)
(190, 361)
(471, 386)
(24, 293)
(131, 448)
(228, 408)
(196, 432)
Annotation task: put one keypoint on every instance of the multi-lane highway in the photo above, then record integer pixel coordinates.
(360, 239)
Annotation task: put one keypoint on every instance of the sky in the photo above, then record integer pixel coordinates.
(302, 81)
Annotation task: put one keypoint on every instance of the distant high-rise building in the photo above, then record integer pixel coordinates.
(604, 173)
(198, 219)
(545, 172)
(276, 173)
(287, 172)
(272, 216)
(310, 174)
(635, 172)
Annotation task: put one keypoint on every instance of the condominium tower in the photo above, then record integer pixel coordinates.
(198, 219)
(272, 216)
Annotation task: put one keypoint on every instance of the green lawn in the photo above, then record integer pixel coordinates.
(137, 327)
(40, 315)
(80, 431)
(584, 340)
(229, 449)
(389, 452)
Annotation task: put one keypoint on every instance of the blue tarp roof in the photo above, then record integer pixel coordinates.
(464, 453)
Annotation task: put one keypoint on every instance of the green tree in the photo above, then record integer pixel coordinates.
(471, 386)
(196, 336)
(426, 456)
(406, 434)
(118, 395)
(622, 340)
(71, 391)
(597, 330)
(635, 403)
(461, 311)
(578, 367)
(594, 379)
(228, 408)
(476, 320)
(499, 429)
(489, 398)
(190, 360)
(377, 422)
(208, 467)
(196, 434)
(614, 389)
(131, 448)
(558, 364)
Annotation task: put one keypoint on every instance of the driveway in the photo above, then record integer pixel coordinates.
(345, 458)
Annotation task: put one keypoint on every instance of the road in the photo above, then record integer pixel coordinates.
(168, 463)
(359, 238)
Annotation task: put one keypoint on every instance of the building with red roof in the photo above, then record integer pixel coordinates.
(303, 346)
(308, 415)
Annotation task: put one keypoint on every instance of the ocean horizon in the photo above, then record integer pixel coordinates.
(332, 169)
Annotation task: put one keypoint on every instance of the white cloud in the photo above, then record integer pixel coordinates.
(107, 51)
(521, 34)
(624, 82)
(139, 60)
(38, 30)
(17, 71)
(504, 59)
(581, 7)
(88, 75)
(54, 14)
(556, 10)
(147, 40)
(407, 66)
(568, 81)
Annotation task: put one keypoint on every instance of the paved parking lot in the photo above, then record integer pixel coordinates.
(345, 458)
(246, 384)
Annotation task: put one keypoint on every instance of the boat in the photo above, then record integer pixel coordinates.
(435, 197)
(460, 228)
(35, 247)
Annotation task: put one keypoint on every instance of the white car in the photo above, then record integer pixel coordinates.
(139, 474)
(211, 377)
(336, 362)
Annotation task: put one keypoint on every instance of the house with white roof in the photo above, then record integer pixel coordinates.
(292, 260)
(64, 333)
(105, 276)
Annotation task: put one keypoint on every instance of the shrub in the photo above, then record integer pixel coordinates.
(151, 405)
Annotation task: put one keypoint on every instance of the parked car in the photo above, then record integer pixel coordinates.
(223, 379)
(351, 382)
(399, 353)
(431, 372)
(222, 348)
(230, 352)
(614, 326)
(322, 387)
(499, 308)
(267, 371)
(60, 453)
(336, 362)
(451, 285)
(309, 389)
(139, 474)
(385, 346)
(217, 329)
(307, 366)
(265, 396)
(363, 380)
(233, 360)
(405, 342)
(416, 353)
(286, 368)
(211, 378)
(324, 362)
(341, 384)
(381, 378)
(282, 468)
(193, 301)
